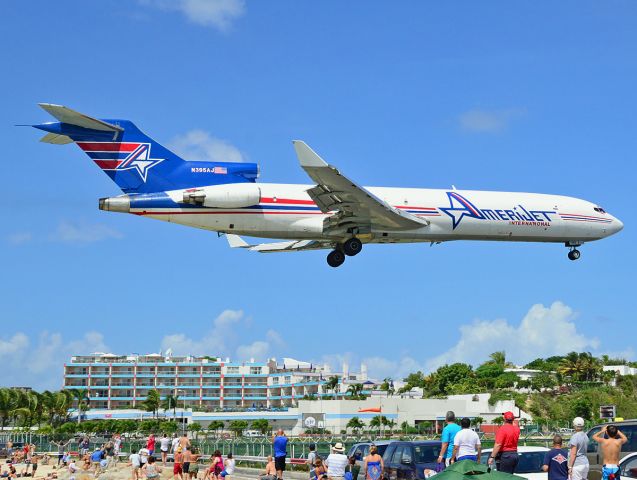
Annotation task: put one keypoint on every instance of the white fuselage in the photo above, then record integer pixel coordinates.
(285, 211)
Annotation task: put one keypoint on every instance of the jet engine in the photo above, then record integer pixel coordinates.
(233, 195)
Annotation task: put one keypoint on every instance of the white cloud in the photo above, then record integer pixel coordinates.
(543, 332)
(488, 121)
(218, 14)
(225, 337)
(19, 238)
(38, 362)
(200, 145)
(68, 232)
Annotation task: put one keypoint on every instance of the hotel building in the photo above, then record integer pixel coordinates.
(202, 383)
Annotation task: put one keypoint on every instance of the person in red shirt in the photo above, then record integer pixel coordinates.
(150, 444)
(505, 450)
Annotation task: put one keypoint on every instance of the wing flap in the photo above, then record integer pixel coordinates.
(335, 192)
(235, 241)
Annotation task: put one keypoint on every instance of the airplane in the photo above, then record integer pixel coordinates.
(333, 212)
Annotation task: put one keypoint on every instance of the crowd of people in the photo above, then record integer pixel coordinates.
(458, 443)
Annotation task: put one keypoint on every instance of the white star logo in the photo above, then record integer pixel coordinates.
(139, 160)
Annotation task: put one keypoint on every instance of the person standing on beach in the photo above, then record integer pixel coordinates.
(448, 435)
(505, 450)
(164, 446)
(280, 444)
(150, 444)
(177, 467)
(466, 443)
(117, 446)
(336, 462)
(373, 464)
(135, 461)
(578, 446)
(610, 440)
(185, 468)
(555, 461)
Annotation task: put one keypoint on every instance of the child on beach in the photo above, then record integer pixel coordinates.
(150, 469)
(229, 467)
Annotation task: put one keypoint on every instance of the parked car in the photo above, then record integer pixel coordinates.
(628, 466)
(360, 450)
(628, 427)
(408, 460)
(530, 463)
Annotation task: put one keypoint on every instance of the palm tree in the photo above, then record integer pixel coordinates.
(570, 366)
(7, 405)
(82, 397)
(500, 359)
(195, 427)
(216, 425)
(478, 421)
(355, 390)
(387, 386)
(170, 402)
(355, 424)
(331, 384)
(152, 401)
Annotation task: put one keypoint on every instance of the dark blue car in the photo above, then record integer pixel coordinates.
(408, 460)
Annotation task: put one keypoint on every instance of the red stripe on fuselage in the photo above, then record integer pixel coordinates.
(107, 146)
(286, 200)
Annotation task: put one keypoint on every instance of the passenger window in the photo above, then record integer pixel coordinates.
(366, 450)
(592, 444)
(389, 452)
(629, 469)
(631, 434)
(398, 455)
(407, 457)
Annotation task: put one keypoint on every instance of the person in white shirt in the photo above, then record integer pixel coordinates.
(164, 445)
(174, 444)
(336, 462)
(466, 443)
(229, 466)
(135, 461)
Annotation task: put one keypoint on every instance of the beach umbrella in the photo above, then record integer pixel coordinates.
(470, 470)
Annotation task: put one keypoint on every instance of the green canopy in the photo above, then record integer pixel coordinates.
(469, 470)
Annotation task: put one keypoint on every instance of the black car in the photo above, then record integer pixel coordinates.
(408, 460)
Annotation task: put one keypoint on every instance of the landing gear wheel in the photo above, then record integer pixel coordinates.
(335, 258)
(574, 254)
(352, 247)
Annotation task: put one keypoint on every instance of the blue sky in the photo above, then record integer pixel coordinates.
(483, 95)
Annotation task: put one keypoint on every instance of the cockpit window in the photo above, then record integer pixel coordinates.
(599, 209)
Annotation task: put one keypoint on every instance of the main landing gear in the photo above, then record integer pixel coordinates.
(351, 247)
(574, 253)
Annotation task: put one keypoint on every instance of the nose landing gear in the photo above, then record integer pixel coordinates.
(574, 253)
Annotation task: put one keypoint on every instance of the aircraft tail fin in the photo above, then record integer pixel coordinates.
(134, 161)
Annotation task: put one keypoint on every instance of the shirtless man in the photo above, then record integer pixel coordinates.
(184, 442)
(610, 447)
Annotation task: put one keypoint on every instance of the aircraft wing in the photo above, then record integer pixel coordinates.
(235, 241)
(354, 206)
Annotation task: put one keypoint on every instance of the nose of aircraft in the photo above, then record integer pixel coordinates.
(616, 225)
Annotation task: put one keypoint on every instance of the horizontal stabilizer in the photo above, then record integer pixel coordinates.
(56, 139)
(66, 115)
